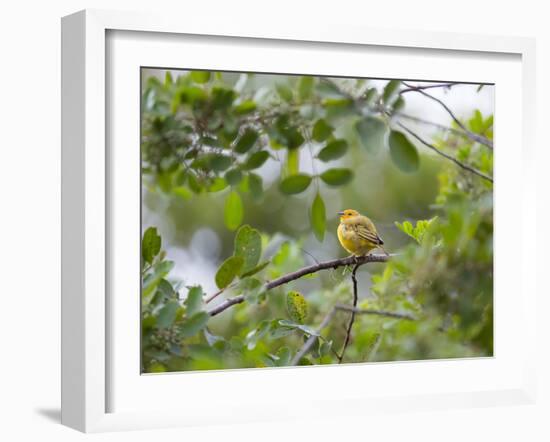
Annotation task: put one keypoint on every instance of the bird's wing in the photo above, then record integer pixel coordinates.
(367, 233)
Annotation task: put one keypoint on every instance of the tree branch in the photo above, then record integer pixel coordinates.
(366, 311)
(445, 155)
(332, 264)
(431, 123)
(328, 318)
(474, 137)
(352, 318)
(411, 88)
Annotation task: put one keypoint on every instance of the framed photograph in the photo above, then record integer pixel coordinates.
(288, 222)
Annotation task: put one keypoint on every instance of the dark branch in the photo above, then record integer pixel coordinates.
(353, 312)
(332, 264)
(474, 137)
(226, 304)
(411, 88)
(445, 155)
(366, 311)
(432, 123)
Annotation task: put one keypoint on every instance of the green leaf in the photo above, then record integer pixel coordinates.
(295, 184)
(150, 245)
(256, 269)
(247, 141)
(248, 245)
(156, 367)
(183, 192)
(152, 280)
(168, 80)
(233, 177)
(194, 324)
(280, 331)
(417, 232)
(193, 302)
(476, 122)
(371, 94)
(390, 91)
(216, 185)
(285, 133)
(243, 185)
(167, 314)
(284, 92)
(403, 153)
(188, 95)
(245, 107)
(194, 183)
(253, 290)
(372, 133)
(333, 150)
(222, 98)
(327, 89)
(165, 291)
(294, 138)
(318, 217)
(305, 87)
(256, 334)
(325, 348)
(321, 130)
(255, 185)
(282, 357)
(398, 104)
(219, 162)
(339, 108)
(234, 211)
(228, 271)
(305, 328)
(256, 160)
(337, 176)
(200, 76)
(296, 306)
(292, 166)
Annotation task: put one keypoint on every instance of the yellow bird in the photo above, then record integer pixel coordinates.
(357, 233)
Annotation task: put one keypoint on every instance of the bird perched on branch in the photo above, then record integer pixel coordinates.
(357, 233)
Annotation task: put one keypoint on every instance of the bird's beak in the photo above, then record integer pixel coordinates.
(341, 213)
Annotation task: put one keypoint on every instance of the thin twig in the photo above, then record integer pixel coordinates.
(352, 317)
(311, 340)
(366, 311)
(330, 315)
(445, 155)
(474, 137)
(431, 86)
(310, 255)
(332, 264)
(214, 296)
(431, 123)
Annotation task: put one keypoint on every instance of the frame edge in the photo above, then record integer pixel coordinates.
(73, 80)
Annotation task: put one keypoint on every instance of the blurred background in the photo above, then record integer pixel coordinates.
(192, 169)
(193, 231)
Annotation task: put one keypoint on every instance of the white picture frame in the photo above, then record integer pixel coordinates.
(87, 209)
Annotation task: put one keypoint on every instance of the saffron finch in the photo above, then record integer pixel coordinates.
(357, 233)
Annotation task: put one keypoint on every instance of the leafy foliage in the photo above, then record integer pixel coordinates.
(209, 137)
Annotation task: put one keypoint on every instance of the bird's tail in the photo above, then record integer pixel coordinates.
(383, 249)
